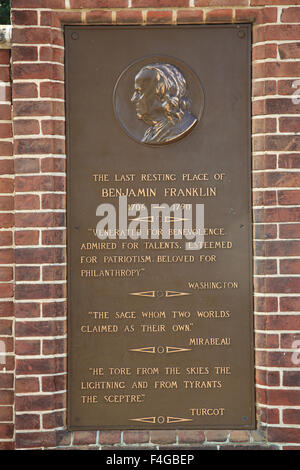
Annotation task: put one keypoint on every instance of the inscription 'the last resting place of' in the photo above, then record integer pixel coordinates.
(160, 313)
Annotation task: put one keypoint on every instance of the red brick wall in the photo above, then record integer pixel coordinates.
(39, 236)
(7, 362)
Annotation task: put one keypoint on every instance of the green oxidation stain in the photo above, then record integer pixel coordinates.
(4, 12)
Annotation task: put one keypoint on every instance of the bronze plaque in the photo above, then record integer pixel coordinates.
(160, 308)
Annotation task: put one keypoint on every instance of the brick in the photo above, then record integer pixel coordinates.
(54, 309)
(214, 3)
(189, 16)
(6, 185)
(52, 90)
(40, 366)
(219, 15)
(291, 266)
(27, 384)
(5, 57)
(40, 328)
(28, 348)
(54, 273)
(283, 434)
(57, 346)
(290, 15)
(6, 397)
(289, 50)
(6, 256)
(54, 384)
(63, 438)
(9, 347)
(289, 88)
(38, 3)
(23, 17)
(291, 379)
(159, 17)
(84, 437)
(27, 165)
(265, 231)
(4, 74)
(27, 273)
(26, 127)
(5, 112)
(6, 290)
(35, 440)
(5, 148)
(6, 220)
(39, 291)
(239, 436)
(129, 17)
(6, 203)
(53, 164)
(51, 54)
(289, 304)
(278, 322)
(289, 124)
(109, 437)
(33, 35)
(27, 201)
(6, 413)
(39, 255)
(275, 142)
(39, 146)
(288, 339)
(7, 445)
(277, 285)
(24, 54)
(46, 219)
(289, 160)
(38, 108)
(99, 16)
(288, 197)
(163, 437)
(27, 421)
(54, 237)
(6, 431)
(277, 248)
(27, 310)
(58, 19)
(40, 183)
(191, 436)
(291, 416)
(5, 130)
(26, 237)
(5, 327)
(5, 238)
(289, 231)
(55, 420)
(53, 201)
(98, 4)
(53, 127)
(216, 436)
(267, 215)
(260, 126)
(6, 380)
(6, 167)
(25, 90)
(268, 266)
(264, 198)
(271, 379)
(136, 437)
(6, 309)
(278, 32)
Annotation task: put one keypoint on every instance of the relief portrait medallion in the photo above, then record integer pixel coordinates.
(158, 100)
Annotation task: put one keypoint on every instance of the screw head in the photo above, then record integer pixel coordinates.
(75, 36)
(241, 34)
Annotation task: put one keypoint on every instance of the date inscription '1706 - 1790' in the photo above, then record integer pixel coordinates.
(159, 326)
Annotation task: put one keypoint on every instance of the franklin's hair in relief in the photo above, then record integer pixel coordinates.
(161, 101)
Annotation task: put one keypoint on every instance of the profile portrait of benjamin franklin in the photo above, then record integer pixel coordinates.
(160, 98)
